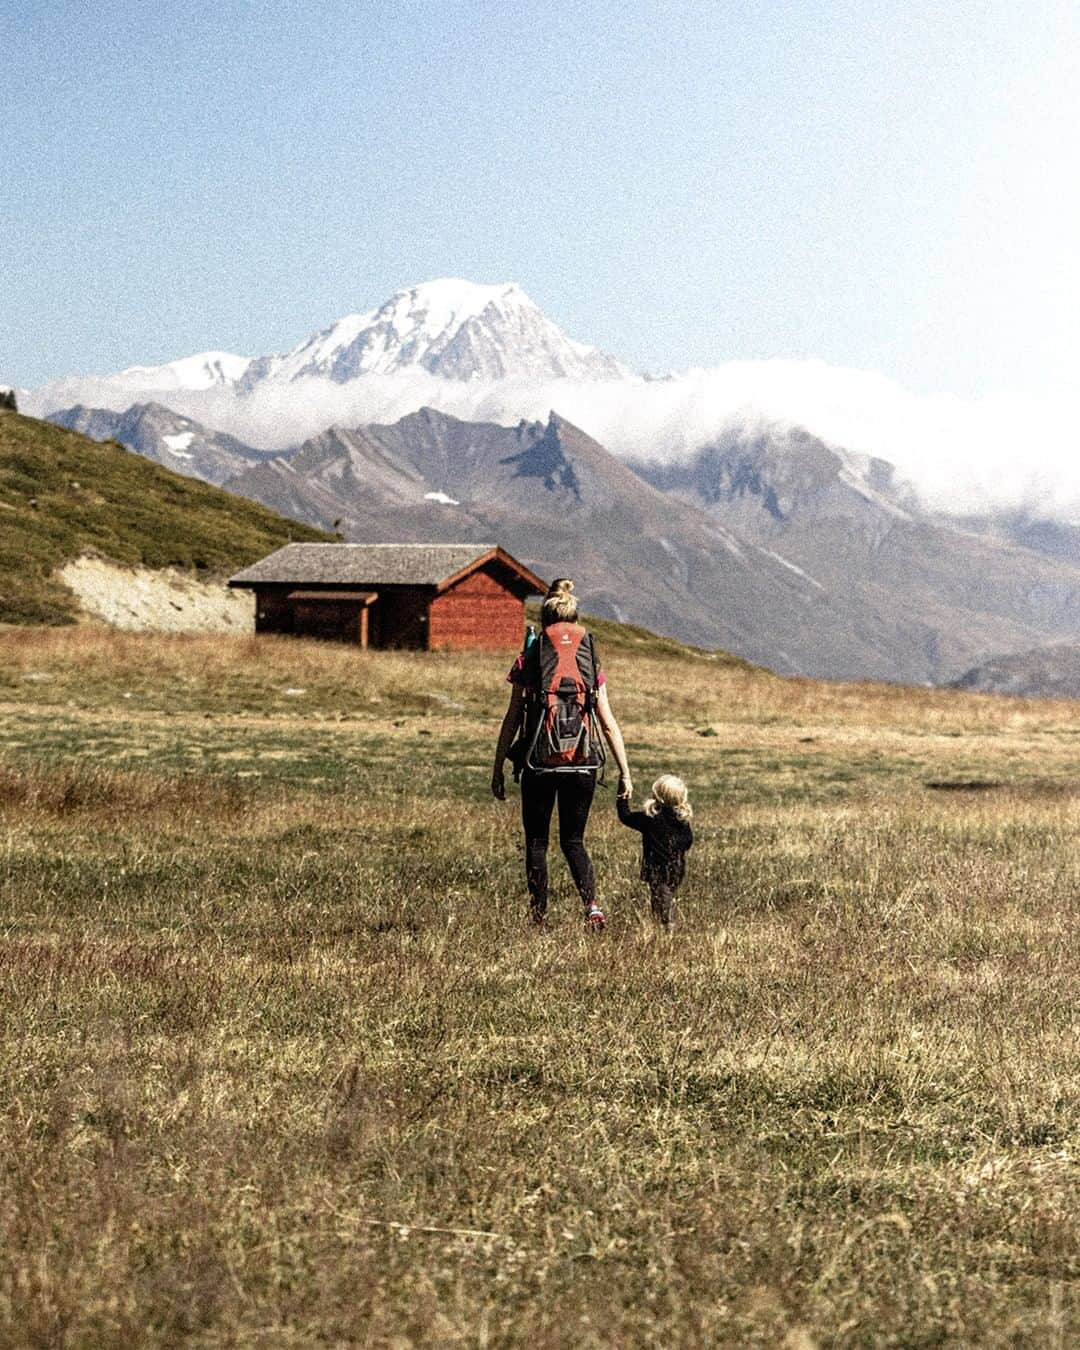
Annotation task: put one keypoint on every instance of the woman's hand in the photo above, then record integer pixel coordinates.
(511, 721)
(626, 786)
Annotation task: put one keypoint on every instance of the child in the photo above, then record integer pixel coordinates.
(666, 835)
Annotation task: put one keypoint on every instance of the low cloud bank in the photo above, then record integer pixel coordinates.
(1001, 452)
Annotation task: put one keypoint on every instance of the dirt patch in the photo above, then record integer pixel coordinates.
(148, 599)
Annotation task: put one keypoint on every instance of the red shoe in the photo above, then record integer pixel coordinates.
(594, 918)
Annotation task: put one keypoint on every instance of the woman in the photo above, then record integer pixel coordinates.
(541, 790)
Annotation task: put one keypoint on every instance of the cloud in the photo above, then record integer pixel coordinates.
(998, 452)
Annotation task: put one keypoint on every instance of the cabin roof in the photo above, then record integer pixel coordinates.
(373, 565)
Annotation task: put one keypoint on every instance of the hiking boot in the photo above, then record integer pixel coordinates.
(537, 914)
(594, 917)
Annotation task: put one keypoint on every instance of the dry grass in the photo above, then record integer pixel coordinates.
(282, 1065)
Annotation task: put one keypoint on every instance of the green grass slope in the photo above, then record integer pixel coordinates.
(62, 494)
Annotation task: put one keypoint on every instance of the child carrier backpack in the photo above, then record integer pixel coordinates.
(562, 736)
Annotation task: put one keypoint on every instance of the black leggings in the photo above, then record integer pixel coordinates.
(574, 793)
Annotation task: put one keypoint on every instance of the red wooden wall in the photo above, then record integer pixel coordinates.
(479, 613)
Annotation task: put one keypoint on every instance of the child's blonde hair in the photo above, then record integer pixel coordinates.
(560, 603)
(669, 790)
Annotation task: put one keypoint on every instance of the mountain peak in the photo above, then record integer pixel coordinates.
(450, 300)
(456, 329)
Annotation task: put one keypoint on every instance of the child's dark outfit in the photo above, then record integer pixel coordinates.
(665, 841)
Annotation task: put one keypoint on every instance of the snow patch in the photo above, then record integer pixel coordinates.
(784, 562)
(441, 498)
(178, 445)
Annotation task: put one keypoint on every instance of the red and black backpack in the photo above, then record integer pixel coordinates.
(563, 678)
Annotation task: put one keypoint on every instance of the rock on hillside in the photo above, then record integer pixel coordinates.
(1044, 672)
(162, 600)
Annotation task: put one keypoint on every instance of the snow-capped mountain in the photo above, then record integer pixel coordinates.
(206, 370)
(191, 377)
(455, 329)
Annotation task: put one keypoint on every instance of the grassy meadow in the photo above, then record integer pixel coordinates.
(283, 1065)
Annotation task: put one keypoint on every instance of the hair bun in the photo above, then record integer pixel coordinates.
(560, 604)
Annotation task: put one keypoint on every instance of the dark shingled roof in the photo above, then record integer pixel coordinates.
(365, 564)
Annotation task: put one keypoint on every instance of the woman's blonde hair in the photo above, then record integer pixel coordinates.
(669, 790)
(560, 603)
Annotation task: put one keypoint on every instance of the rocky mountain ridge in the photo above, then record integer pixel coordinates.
(554, 498)
(828, 569)
(167, 438)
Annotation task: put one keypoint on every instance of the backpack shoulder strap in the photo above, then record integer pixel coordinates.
(588, 665)
(531, 666)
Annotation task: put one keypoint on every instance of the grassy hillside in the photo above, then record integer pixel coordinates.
(282, 1063)
(62, 495)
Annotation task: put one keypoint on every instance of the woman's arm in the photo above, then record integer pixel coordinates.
(613, 736)
(510, 723)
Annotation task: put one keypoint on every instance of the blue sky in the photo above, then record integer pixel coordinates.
(890, 186)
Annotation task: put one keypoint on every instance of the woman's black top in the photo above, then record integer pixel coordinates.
(666, 840)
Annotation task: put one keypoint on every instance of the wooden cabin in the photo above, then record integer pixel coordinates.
(426, 596)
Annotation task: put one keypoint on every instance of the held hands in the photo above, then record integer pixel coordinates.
(626, 787)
